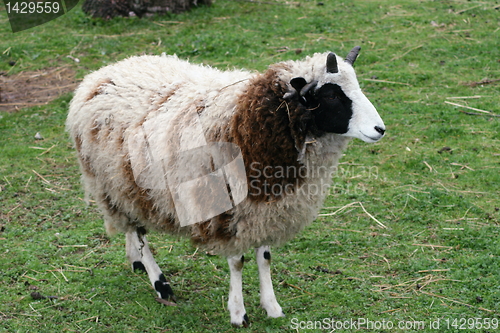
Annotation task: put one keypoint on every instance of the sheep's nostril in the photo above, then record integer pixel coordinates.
(380, 130)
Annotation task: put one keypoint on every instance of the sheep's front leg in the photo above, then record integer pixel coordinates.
(267, 297)
(235, 303)
(140, 256)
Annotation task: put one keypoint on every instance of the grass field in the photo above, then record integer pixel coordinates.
(410, 234)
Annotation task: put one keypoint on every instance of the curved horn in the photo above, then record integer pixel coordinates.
(331, 63)
(308, 87)
(351, 57)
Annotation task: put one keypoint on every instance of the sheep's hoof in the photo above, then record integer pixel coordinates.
(276, 315)
(163, 289)
(137, 265)
(273, 310)
(245, 323)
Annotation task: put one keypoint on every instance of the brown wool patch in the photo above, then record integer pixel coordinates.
(84, 160)
(138, 195)
(94, 131)
(269, 133)
(78, 143)
(216, 229)
(164, 98)
(218, 134)
(98, 88)
(105, 133)
(200, 109)
(110, 206)
(141, 197)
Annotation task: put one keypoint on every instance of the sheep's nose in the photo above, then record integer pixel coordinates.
(380, 130)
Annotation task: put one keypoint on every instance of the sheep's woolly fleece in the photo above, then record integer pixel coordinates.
(166, 98)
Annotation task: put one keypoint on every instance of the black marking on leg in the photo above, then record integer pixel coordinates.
(141, 231)
(163, 287)
(246, 321)
(138, 265)
(267, 255)
(242, 259)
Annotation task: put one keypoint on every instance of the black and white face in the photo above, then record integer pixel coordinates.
(337, 103)
(333, 112)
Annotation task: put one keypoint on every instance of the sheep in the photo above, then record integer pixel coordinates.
(233, 160)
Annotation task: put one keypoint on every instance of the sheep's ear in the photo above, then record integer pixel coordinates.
(351, 57)
(297, 83)
(331, 63)
(302, 88)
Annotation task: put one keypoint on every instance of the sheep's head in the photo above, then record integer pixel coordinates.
(336, 102)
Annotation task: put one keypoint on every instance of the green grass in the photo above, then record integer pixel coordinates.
(438, 258)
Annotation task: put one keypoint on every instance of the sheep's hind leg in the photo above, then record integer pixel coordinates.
(133, 254)
(235, 303)
(267, 297)
(140, 256)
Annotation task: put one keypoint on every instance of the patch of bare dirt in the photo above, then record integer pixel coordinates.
(32, 88)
